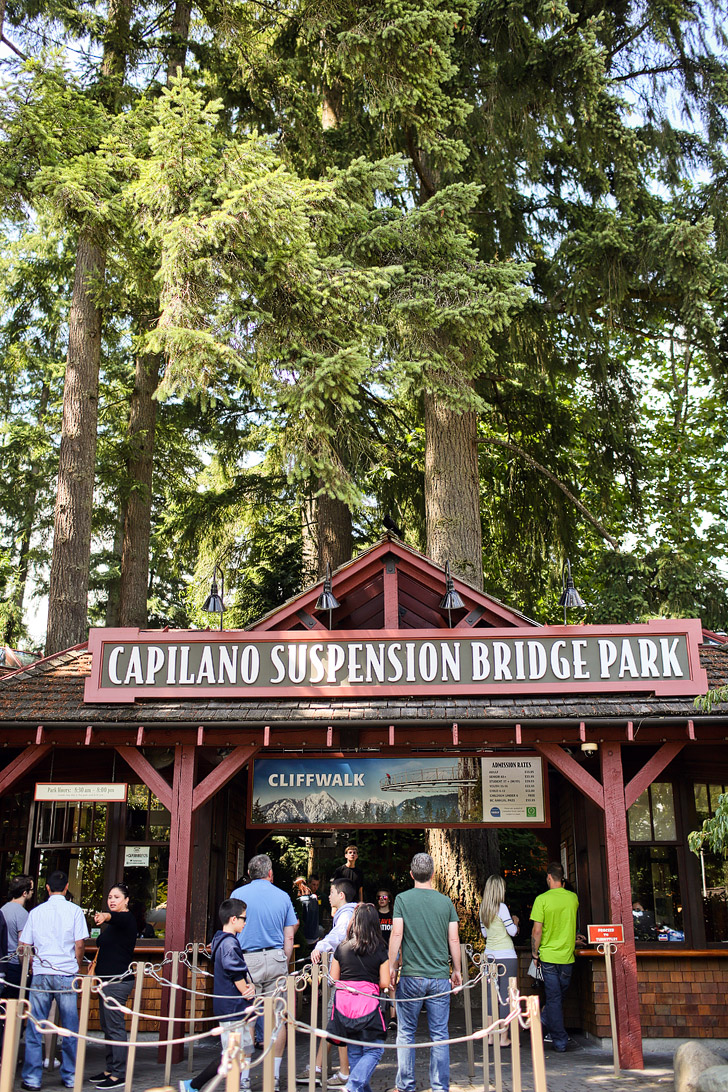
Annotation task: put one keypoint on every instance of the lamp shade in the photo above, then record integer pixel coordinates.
(327, 600)
(451, 599)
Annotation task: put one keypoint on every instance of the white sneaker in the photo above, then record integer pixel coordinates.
(303, 1077)
(337, 1080)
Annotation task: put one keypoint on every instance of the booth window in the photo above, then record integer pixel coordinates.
(713, 868)
(147, 825)
(653, 865)
(72, 837)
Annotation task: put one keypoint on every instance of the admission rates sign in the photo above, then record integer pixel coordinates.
(660, 657)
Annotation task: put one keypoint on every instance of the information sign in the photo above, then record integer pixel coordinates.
(136, 857)
(513, 789)
(599, 934)
(111, 792)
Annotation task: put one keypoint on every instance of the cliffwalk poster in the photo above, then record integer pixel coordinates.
(447, 790)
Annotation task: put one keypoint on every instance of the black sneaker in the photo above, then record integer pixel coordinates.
(110, 1082)
(98, 1078)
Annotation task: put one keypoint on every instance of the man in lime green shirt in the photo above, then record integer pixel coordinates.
(553, 938)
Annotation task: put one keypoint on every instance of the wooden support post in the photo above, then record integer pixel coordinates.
(629, 1030)
(20, 765)
(515, 1030)
(268, 1037)
(193, 1005)
(86, 983)
(486, 1022)
(11, 1042)
(291, 1041)
(180, 890)
(315, 977)
(134, 1030)
(232, 1080)
(537, 1058)
(495, 1013)
(468, 1012)
(172, 1009)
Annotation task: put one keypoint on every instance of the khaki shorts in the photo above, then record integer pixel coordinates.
(265, 969)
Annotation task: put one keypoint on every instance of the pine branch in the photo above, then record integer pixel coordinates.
(9, 44)
(552, 477)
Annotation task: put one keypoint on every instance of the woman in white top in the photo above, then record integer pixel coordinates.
(498, 927)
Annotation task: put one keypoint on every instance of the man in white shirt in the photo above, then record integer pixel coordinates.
(57, 931)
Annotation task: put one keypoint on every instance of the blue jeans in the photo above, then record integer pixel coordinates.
(556, 979)
(46, 987)
(438, 1013)
(363, 1060)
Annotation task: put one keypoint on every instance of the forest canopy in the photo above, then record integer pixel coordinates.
(272, 272)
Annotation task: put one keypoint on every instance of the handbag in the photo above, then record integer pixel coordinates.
(535, 971)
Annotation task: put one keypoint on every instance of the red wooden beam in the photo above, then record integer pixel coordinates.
(651, 771)
(21, 765)
(150, 777)
(222, 773)
(179, 894)
(624, 965)
(391, 595)
(518, 734)
(572, 771)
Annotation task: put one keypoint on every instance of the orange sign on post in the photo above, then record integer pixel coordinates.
(598, 934)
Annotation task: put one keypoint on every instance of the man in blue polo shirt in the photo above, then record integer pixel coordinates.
(268, 938)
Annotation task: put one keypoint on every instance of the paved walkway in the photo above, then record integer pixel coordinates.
(584, 1068)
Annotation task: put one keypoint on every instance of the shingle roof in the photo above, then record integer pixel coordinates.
(51, 692)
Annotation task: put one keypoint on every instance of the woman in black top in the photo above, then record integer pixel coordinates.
(115, 953)
(362, 962)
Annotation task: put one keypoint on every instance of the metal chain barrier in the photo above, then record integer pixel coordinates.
(278, 1011)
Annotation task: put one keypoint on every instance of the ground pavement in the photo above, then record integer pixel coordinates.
(582, 1069)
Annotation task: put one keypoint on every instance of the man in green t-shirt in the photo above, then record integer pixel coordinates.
(553, 938)
(425, 928)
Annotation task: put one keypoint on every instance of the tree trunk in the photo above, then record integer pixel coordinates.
(31, 497)
(179, 35)
(310, 546)
(68, 591)
(138, 519)
(452, 490)
(463, 858)
(334, 533)
(134, 582)
(114, 585)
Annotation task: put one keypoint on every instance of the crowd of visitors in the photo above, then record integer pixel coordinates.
(387, 961)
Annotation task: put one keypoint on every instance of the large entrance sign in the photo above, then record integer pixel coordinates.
(447, 790)
(661, 657)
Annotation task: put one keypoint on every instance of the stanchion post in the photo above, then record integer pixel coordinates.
(537, 1056)
(170, 1019)
(232, 1080)
(49, 1041)
(11, 1042)
(486, 1048)
(24, 972)
(315, 981)
(467, 1000)
(291, 1021)
(324, 1018)
(136, 1006)
(86, 983)
(609, 950)
(495, 1014)
(193, 1005)
(515, 1028)
(268, 1036)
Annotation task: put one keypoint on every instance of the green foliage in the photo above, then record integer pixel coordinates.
(714, 831)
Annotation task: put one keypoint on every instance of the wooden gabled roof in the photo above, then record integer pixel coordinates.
(391, 586)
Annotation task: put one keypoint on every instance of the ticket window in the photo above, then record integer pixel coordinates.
(657, 905)
(145, 859)
(713, 867)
